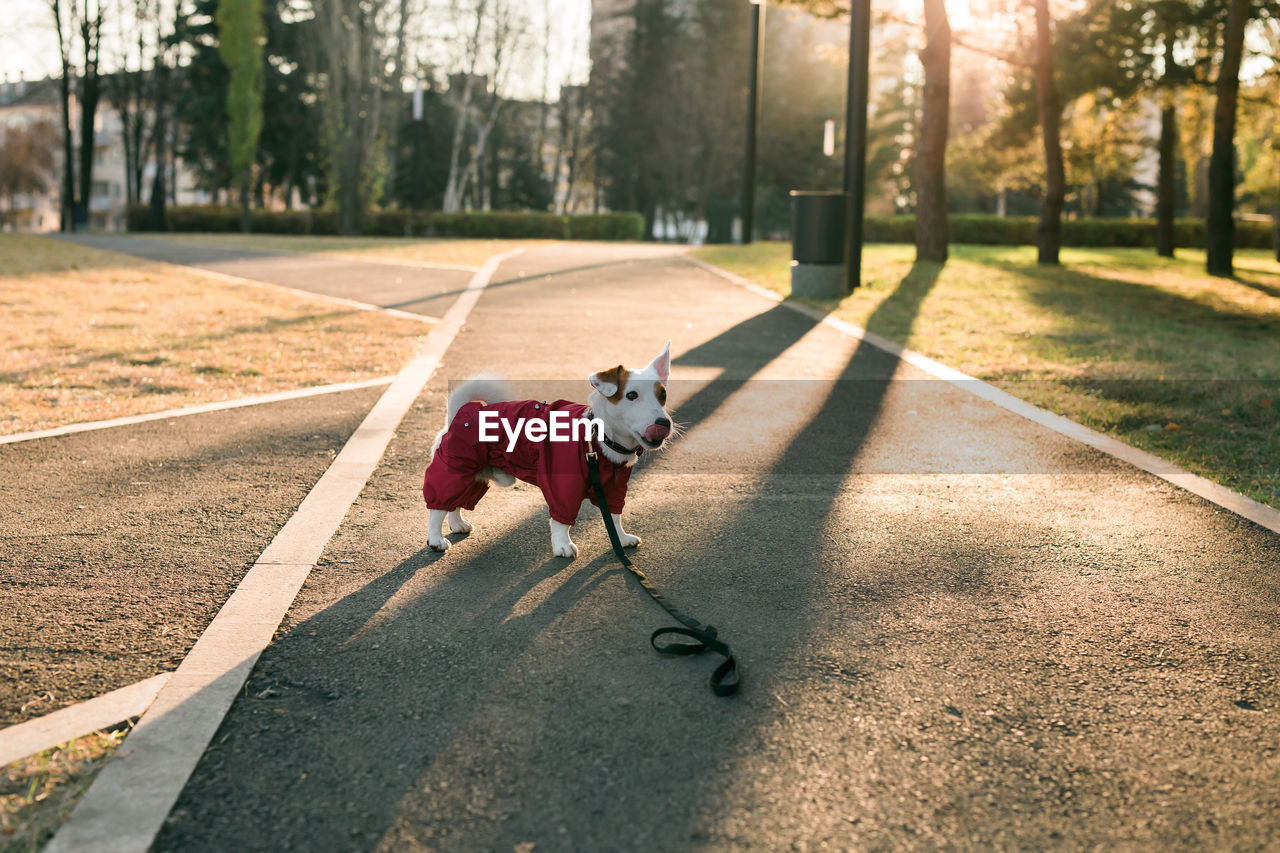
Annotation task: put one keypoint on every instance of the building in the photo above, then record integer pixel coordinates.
(24, 104)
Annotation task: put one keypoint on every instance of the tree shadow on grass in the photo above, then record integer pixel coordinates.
(1116, 320)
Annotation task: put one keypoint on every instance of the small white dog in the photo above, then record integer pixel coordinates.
(490, 437)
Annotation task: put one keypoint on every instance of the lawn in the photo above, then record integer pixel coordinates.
(1149, 350)
(91, 335)
(38, 793)
(422, 250)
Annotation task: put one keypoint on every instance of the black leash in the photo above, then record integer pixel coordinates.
(724, 681)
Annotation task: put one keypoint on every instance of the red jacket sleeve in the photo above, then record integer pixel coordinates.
(615, 490)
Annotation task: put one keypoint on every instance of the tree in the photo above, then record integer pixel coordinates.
(1220, 226)
(83, 23)
(355, 56)
(495, 34)
(26, 161)
(931, 146)
(1049, 233)
(129, 90)
(64, 114)
(240, 46)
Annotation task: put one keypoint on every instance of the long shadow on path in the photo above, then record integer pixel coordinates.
(481, 702)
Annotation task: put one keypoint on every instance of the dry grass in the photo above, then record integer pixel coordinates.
(1152, 351)
(92, 335)
(38, 793)
(470, 252)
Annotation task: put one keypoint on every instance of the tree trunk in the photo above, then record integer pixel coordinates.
(1049, 234)
(64, 94)
(931, 148)
(1220, 227)
(1275, 228)
(90, 91)
(1165, 178)
(161, 131)
(244, 204)
(396, 88)
(1275, 210)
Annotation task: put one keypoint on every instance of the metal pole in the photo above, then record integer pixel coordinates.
(753, 110)
(855, 153)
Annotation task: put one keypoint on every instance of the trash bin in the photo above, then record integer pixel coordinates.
(817, 245)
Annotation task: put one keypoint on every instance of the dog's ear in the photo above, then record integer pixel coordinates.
(662, 364)
(609, 382)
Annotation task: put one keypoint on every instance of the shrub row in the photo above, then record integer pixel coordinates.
(984, 230)
(401, 223)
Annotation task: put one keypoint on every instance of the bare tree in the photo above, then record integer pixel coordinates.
(353, 41)
(128, 88)
(26, 161)
(68, 194)
(495, 33)
(79, 30)
(396, 86)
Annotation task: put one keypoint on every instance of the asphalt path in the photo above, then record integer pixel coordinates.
(118, 546)
(957, 628)
(407, 287)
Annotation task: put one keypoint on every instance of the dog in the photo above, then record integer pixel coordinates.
(629, 410)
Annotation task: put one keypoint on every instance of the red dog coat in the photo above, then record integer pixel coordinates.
(559, 468)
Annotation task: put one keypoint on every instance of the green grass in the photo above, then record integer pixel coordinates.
(38, 793)
(1149, 350)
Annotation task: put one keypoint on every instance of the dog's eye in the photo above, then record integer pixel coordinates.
(632, 395)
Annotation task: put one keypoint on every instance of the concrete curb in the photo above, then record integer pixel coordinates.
(128, 802)
(197, 410)
(1242, 505)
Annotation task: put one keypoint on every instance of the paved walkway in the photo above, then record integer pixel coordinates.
(956, 627)
(408, 287)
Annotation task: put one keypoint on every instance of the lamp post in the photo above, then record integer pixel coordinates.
(855, 151)
(753, 110)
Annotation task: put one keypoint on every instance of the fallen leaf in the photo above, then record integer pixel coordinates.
(1172, 427)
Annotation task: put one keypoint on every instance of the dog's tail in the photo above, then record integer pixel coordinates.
(487, 387)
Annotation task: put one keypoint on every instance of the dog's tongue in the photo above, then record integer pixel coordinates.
(656, 432)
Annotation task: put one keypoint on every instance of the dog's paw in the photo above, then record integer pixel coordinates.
(440, 544)
(628, 540)
(458, 524)
(568, 549)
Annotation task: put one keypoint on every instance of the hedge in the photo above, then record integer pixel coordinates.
(401, 223)
(985, 230)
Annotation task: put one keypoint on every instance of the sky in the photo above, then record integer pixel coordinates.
(29, 46)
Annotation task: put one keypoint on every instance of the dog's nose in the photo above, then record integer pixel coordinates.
(663, 422)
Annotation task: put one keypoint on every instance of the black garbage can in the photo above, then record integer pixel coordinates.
(817, 244)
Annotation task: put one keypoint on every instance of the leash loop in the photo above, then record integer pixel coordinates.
(724, 680)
